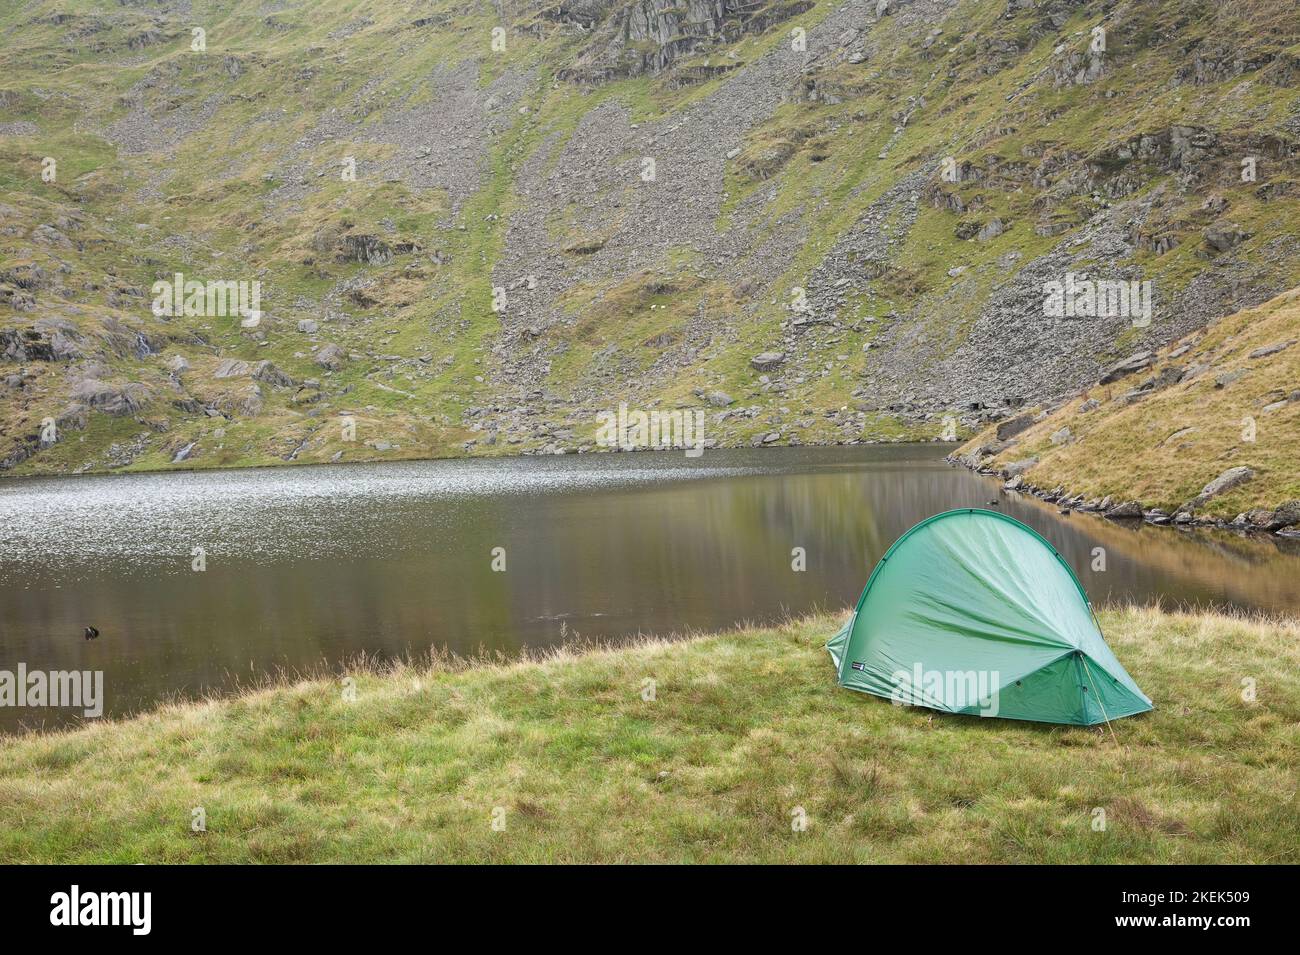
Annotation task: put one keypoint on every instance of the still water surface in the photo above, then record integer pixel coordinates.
(315, 565)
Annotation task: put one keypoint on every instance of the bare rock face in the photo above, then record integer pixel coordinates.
(231, 368)
(369, 249)
(48, 339)
(116, 400)
(245, 402)
(648, 36)
(266, 371)
(1221, 238)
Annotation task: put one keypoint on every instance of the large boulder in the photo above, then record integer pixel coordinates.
(1132, 363)
(1018, 468)
(64, 337)
(1013, 426)
(266, 371)
(767, 361)
(117, 400)
(331, 357)
(1271, 349)
(1125, 510)
(1224, 236)
(49, 339)
(1229, 479)
(1288, 513)
(1267, 519)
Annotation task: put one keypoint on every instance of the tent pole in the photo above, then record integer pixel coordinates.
(1083, 657)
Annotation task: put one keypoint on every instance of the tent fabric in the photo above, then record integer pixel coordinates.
(973, 612)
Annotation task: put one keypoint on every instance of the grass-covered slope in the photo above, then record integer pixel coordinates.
(505, 265)
(1224, 398)
(574, 763)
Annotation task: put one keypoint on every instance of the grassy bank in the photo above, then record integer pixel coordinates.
(744, 727)
(1220, 398)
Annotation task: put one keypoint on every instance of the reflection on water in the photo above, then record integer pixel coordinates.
(312, 565)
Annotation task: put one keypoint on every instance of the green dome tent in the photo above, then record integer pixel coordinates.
(973, 612)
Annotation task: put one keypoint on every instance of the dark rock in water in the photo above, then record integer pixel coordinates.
(1266, 519)
(1125, 510)
(1261, 518)
(1289, 513)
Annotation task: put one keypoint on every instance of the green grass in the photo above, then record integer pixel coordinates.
(745, 727)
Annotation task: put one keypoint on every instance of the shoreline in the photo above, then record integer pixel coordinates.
(1260, 521)
(8, 474)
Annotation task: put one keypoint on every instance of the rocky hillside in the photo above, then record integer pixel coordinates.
(1202, 432)
(476, 226)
